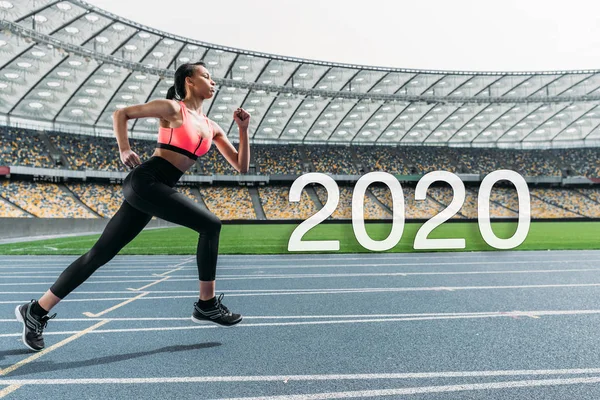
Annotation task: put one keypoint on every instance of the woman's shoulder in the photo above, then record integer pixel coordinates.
(174, 105)
(171, 109)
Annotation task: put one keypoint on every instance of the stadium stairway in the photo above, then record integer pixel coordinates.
(444, 206)
(361, 168)
(559, 206)
(196, 168)
(307, 165)
(475, 194)
(401, 153)
(260, 213)
(310, 190)
(453, 157)
(198, 196)
(376, 200)
(586, 196)
(55, 153)
(557, 161)
(68, 192)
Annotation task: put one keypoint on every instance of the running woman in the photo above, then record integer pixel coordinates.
(185, 134)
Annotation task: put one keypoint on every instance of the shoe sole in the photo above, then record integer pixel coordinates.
(20, 319)
(205, 321)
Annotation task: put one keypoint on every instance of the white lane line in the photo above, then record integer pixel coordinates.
(78, 300)
(177, 267)
(41, 264)
(142, 265)
(8, 390)
(150, 284)
(73, 293)
(358, 274)
(46, 276)
(423, 317)
(279, 292)
(400, 264)
(269, 291)
(18, 270)
(276, 324)
(379, 274)
(84, 283)
(354, 256)
(89, 314)
(304, 378)
(284, 265)
(275, 317)
(514, 313)
(45, 267)
(101, 273)
(253, 277)
(426, 389)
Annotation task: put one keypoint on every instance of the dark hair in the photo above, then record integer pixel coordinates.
(177, 91)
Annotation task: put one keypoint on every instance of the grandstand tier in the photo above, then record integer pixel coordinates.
(34, 149)
(26, 199)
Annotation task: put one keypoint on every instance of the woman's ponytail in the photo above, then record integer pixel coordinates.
(171, 93)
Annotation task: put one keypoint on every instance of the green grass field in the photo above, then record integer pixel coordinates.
(273, 239)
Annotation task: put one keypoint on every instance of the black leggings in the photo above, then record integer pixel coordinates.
(148, 191)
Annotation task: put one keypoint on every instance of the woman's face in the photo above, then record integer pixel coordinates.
(201, 83)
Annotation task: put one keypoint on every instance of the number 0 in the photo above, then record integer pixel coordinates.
(483, 209)
(358, 216)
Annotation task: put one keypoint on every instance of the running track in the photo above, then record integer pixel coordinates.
(482, 325)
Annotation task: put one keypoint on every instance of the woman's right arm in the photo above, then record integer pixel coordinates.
(161, 108)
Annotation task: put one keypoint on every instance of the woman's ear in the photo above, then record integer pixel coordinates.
(189, 81)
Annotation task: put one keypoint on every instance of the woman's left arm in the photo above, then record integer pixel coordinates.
(239, 160)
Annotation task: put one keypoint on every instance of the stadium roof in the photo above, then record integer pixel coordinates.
(68, 65)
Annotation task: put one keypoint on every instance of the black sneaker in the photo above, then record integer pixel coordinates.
(33, 326)
(217, 313)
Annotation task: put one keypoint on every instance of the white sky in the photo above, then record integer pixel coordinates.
(473, 35)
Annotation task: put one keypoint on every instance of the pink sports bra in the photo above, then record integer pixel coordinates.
(185, 139)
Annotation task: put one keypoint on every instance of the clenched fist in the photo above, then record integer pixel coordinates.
(241, 117)
(129, 158)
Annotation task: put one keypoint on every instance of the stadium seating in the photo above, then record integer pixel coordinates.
(8, 210)
(570, 200)
(372, 210)
(378, 158)
(272, 159)
(47, 200)
(26, 147)
(581, 162)
(535, 163)
(228, 202)
(71, 200)
(331, 159)
(427, 159)
(44, 200)
(593, 194)
(23, 147)
(97, 153)
(412, 208)
(105, 199)
(276, 205)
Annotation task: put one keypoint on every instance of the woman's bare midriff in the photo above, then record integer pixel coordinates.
(183, 163)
